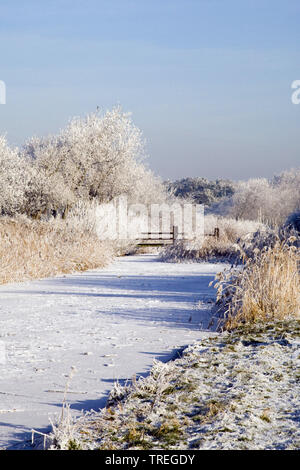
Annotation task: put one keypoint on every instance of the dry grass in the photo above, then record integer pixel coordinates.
(35, 249)
(210, 249)
(224, 248)
(231, 229)
(267, 288)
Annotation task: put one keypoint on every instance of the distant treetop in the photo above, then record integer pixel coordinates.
(201, 190)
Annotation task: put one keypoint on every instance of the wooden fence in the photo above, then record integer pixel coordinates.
(169, 238)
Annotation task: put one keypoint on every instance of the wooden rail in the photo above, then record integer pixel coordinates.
(173, 236)
(215, 234)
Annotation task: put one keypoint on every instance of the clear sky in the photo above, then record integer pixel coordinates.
(207, 81)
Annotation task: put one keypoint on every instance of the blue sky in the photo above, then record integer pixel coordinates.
(207, 81)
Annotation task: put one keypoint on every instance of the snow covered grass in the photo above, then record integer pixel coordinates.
(35, 249)
(211, 248)
(266, 288)
(236, 390)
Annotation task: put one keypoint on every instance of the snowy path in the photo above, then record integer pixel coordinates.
(109, 324)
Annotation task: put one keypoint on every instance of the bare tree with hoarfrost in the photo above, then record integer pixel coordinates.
(14, 178)
(249, 198)
(288, 185)
(95, 157)
(269, 201)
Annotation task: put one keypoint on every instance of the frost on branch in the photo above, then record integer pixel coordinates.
(98, 157)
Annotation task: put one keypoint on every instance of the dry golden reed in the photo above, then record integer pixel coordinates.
(223, 248)
(266, 288)
(36, 249)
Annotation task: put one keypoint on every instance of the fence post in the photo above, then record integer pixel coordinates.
(160, 226)
(175, 233)
(217, 232)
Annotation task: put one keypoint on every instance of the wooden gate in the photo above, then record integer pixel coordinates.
(168, 238)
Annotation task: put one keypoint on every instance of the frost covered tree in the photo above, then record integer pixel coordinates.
(14, 178)
(250, 198)
(95, 157)
(287, 184)
(269, 201)
(201, 190)
(48, 191)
